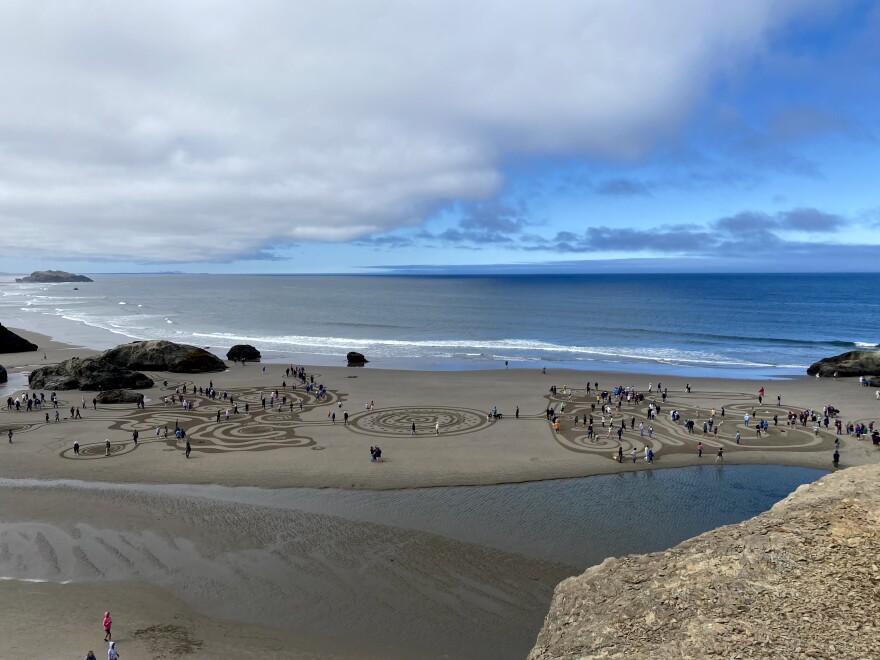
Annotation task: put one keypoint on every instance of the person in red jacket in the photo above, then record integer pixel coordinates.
(107, 623)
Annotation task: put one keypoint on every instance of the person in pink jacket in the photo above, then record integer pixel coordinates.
(107, 623)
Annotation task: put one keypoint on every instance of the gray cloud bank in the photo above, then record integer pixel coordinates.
(202, 131)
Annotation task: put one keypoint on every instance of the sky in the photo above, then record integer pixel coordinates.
(320, 136)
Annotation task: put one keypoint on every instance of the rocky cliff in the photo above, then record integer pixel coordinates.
(800, 581)
(53, 276)
(12, 343)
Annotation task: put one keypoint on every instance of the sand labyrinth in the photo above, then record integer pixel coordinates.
(399, 421)
(669, 437)
(99, 450)
(275, 426)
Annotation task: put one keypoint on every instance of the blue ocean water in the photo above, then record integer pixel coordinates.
(721, 325)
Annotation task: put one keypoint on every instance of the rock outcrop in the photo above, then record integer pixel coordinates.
(12, 343)
(800, 581)
(853, 363)
(53, 276)
(119, 396)
(90, 374)
(119, 368)
(160, 355)
(356, 359)
(3, 376)
(243, 352)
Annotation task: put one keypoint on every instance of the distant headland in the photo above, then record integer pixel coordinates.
(51, 276)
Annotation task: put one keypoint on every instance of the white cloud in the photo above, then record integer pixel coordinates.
(169, 131)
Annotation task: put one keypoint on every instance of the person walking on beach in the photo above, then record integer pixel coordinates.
(699, 450)
(75, 448)
(107, 447)
(437, 427)
(836, 458)
(413, 429)
(188, 449)
(90, 655)
(620, 454)
(720, 457)
(10, 436)
(112, 653)
(107, 623)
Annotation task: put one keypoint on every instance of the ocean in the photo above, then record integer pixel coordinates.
(729, 326)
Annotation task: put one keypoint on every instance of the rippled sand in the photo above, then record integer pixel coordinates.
(396, 592)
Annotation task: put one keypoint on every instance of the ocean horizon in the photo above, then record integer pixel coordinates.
(721, 325)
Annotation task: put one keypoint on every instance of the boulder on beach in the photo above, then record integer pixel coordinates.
(12, 343)
(161, 355)
(853, 363)
(89, 374)
(241, 352)
(53, 276)
(119, 396)
(3, 376)
(356, 359)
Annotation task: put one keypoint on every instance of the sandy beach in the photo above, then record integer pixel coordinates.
(386, 576)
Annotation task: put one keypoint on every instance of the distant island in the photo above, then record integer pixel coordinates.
(49, 276)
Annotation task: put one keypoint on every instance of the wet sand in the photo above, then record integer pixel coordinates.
(334, 587)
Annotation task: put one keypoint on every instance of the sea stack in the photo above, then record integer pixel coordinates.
(52, 277)
(356, 359)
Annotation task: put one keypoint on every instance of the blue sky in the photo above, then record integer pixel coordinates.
(594, 136)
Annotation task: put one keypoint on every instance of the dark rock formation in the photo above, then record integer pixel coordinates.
(119, 396)
(12, 343)
(94, 373)
(356, 359)
(119, 367)
(854, 363)
(52, 276)
(243, 352)
(3, 376)
(160, 355)
(799, 581)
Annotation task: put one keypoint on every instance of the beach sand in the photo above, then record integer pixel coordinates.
(252, 579)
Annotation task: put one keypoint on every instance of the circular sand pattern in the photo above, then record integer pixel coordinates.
(98, 450)
(399, 421)
(669, 437)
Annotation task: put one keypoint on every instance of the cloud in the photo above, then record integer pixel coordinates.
(623, 187)
(803, 219)
(203, 131)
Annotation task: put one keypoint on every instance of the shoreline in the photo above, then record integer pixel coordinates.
(306, 450)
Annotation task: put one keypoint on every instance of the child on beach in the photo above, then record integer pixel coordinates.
(107, 623)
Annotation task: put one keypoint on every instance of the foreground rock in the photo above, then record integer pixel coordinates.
(356, 359)
(854, 363)
(94, 373)
(12, 343)
(3, 376)
(160, 355)
(241, 352)
(53, 276)
(119, 396)
(800, 581)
